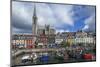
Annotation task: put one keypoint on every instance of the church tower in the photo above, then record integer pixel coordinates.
(34, 24)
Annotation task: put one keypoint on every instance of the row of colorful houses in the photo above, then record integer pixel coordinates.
(85, 40)
(82, 37)
(22, 41)
(30, 41)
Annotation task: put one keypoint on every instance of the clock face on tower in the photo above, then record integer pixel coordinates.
(52, 33)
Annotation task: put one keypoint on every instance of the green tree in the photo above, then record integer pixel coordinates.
(63, 44)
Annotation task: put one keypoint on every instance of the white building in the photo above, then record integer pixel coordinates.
(84, 40)
(83, 37)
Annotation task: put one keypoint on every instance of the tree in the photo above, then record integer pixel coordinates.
(63, 44)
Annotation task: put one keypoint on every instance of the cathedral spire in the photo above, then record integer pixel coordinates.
(34, 14)
(34, 19)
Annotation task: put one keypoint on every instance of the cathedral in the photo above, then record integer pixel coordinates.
(37, 30)
(40, 34)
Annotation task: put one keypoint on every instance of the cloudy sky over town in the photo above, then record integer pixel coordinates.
(62, 17)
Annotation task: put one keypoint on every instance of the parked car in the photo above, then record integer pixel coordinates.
(26, 59)
(59, 58)
(88, 56)
(44, 59)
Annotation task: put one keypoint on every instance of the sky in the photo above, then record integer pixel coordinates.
(63, 17)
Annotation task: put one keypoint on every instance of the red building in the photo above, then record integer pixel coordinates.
(42, 39)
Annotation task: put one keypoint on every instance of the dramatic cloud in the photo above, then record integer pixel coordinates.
(90, 24)
(83, 12)
(61, 17)
(21, 17)
(45, 14)
(64, 13)
(52, 14)
(55, 15)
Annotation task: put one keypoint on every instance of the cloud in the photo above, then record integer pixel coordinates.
(20, 31)
(83, 11)
(62, 17)
(90, 24)
(45, 14)
(85, 27)
(64, 13)
(53, 14)
(21, 17)
(57, 15)
(61, 30)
